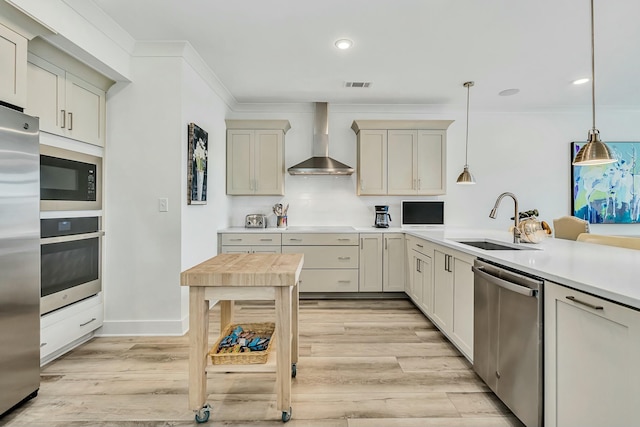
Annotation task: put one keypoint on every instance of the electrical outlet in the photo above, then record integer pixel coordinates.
(163, 204)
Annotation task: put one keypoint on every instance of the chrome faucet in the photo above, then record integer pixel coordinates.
(516, 231)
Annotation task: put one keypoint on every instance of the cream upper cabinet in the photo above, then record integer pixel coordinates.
(13, 67)
(430, 163)
(592, 348)
(372, 162)
(401, 178)
(401, 157)
(66, 103)
(255, 157)
(416, 162)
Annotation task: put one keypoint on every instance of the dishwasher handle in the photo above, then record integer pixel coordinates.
(510, 286)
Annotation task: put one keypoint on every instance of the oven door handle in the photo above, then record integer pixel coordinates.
(70, 238)
(510, 286)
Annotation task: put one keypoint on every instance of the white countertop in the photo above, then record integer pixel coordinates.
(606, 271)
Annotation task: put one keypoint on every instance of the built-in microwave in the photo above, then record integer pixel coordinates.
(69, 180)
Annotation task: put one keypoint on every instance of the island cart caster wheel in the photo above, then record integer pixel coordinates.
(286, 416)
(294, 370)
(202, 416)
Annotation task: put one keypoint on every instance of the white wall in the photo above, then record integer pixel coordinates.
(526, 153)
(143, 163)
(200, 223)
(146, 160)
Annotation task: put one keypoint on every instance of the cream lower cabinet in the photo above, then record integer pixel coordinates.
(453, 297)
(592, 349)
(382, 262)
(393, 262)
(68, 327)
(13, 67)
(250, 243)
(66, 104)
(420, 273)
(331, 260)
(371, 266)
(255, 157)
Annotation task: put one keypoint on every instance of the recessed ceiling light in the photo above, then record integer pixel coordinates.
(580, 81)
(508, 92)
(344, 44)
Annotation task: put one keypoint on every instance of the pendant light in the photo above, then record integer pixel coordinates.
(594, 152)
(466, 177)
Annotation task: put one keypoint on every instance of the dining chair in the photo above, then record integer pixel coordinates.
(569, 227)
(601, 239)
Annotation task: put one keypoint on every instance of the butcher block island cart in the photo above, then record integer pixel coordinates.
(232, 277)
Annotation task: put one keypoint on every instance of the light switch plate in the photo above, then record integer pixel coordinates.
(163, 204)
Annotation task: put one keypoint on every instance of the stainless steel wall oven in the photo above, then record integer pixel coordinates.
(69, 180)
(70, 261)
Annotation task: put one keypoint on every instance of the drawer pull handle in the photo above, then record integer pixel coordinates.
(235, 240)
(344, 240)
(43, 344)
(420, 246)
(86, 323)
(344, 281)
(595, 307)
(295, 240)
(344, 258)
(266, 240)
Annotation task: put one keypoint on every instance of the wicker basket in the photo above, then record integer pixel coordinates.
(263, 330)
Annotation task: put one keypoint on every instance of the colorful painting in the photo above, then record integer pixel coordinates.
(197, 160)
(608, 194)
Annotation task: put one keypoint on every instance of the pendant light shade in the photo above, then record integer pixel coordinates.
(466, 177)
(594, 152)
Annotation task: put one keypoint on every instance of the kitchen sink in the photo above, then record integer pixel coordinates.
(490, 245)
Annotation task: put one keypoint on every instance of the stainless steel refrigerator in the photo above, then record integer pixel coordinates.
(19, 258)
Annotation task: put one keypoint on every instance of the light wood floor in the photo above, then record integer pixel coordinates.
(363, 363)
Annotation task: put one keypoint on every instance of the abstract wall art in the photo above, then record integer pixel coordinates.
(607, 194)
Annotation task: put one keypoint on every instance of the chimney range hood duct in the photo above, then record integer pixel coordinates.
(321, 163)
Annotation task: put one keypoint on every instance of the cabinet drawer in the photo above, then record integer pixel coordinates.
(328, 280)
(63, 332)
(251, 239)
(336, 239)
(419, 245)
(255, 249)
(326, 256)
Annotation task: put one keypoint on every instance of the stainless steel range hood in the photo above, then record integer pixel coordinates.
(321, 163)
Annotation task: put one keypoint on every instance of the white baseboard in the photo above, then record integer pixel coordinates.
(146, 327)
(142, 327)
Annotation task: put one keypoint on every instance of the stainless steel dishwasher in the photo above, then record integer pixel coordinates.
(507, 337)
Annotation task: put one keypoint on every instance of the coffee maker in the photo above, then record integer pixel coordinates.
(382, 216)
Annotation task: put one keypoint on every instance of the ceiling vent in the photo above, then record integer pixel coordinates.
(357, 84)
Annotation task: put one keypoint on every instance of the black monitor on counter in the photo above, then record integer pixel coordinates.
(422, 213)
